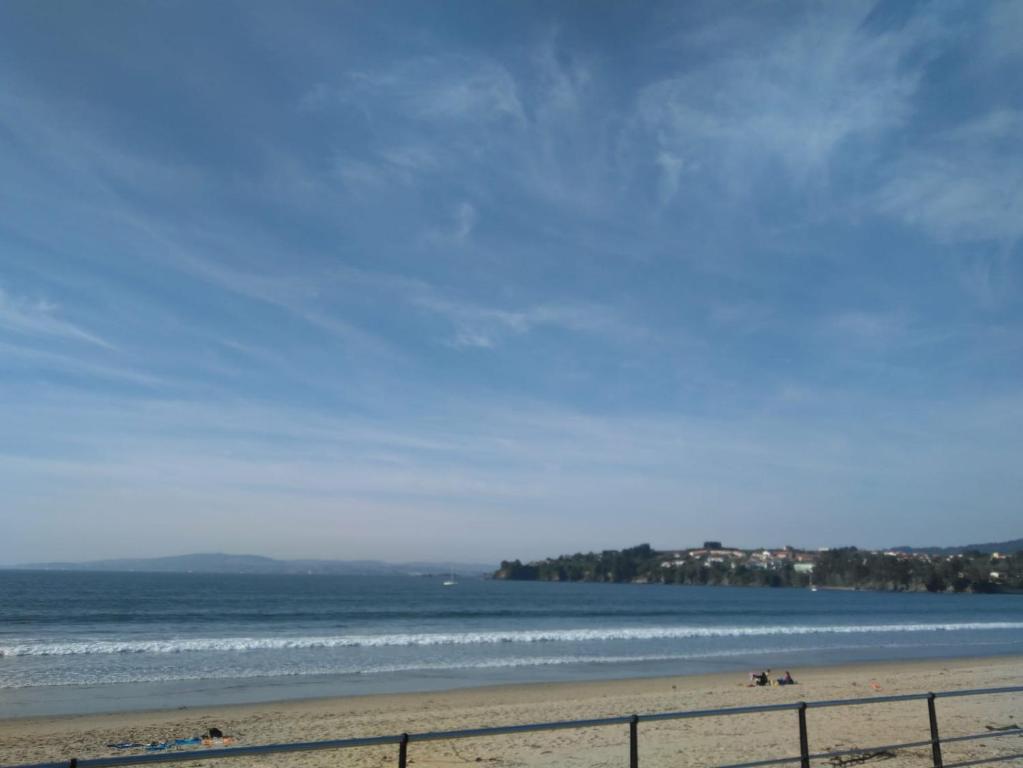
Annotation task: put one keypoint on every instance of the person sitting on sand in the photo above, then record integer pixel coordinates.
(787, 679)
(763, 679)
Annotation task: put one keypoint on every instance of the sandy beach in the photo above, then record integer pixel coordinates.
(706, 741)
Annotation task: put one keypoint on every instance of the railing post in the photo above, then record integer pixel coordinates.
(935, 738)
(403, 750)
(634, 741)
(804, 741)
(73, 763)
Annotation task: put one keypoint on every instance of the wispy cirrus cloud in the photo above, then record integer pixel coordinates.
(33, 359)
(485, 327)
(457, 231)
(529, 120)
(446, 88)
(39, 317)
(961, 185)
(493, 274)
(401, 165)
(790, 99)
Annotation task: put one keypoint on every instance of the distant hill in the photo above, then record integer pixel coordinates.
(1015, 545)
(222, 563)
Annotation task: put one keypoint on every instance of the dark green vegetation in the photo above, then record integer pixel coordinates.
(844, 568)
(971, 571)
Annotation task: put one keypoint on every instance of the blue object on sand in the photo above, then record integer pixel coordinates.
(184, 742)
(126, 745)
(156, 746)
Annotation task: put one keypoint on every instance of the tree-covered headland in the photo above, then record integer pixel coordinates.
(842, 568)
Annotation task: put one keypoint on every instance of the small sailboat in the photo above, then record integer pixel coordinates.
(450, 582)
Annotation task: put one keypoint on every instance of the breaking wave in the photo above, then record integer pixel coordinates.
(241, 644)
(100, 676)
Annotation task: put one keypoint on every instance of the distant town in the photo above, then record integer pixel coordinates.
(713, 564)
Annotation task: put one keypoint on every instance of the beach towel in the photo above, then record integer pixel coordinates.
(226, 741)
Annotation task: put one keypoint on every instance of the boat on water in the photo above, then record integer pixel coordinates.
(450, 582)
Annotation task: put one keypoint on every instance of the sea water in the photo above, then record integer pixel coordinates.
(80, 642)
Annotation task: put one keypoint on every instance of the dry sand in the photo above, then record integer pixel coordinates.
(697, 742)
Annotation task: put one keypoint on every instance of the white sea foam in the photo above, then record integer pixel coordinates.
(104, 676)
(134, 676)
(240, 644)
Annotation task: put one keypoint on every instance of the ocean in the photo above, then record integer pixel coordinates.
(89, 642)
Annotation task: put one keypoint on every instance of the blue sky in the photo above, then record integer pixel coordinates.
(483, 280)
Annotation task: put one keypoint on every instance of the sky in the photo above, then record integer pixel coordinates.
(475, 281)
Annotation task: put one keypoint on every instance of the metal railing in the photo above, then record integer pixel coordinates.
(402, 741)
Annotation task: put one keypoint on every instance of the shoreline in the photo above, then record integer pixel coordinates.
(604, 685)
(44, 738)
(995, 590)
(221, 694)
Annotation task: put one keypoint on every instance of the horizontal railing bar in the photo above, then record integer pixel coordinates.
(724, 711)
(981, 761)
(911, 697)
(500, 730)
(913, 744)
(170, 757)
(865, 700)
(988, 735)
(833, 753)
(975, 691)
(654, 716)
(212, 754)
(863, 750)
(757, 763)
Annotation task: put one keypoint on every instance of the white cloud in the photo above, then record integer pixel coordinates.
(874, 328)
(412, 158)
(445, 88)
(458, 230)
(36, 360)
(866, 324)
(792, 95)
(1003, 21)
(965, 184)
(40, 318)
(356, 172)
(562, 80)
(671, 166)
(465, 221)
(527, 120)
(406, 165)
(484, 327)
